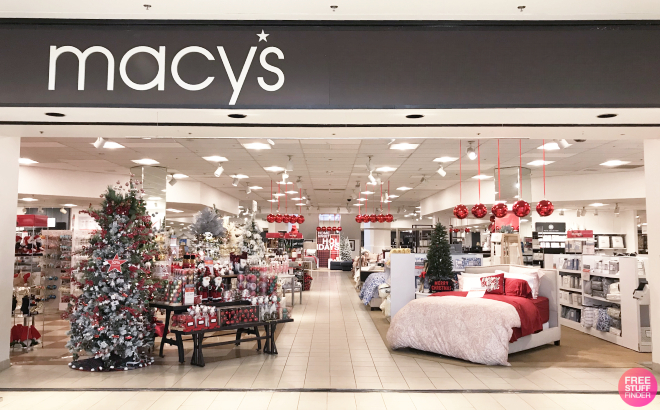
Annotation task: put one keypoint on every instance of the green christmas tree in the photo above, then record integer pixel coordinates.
(438, 259)
(110, 320)
(345, 249)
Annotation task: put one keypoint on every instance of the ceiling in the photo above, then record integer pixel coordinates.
(336, 10)
(329, 168)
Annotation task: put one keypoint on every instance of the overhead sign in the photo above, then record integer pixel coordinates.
(551, 227)
(328, 66)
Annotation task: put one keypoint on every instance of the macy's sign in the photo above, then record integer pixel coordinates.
(159, 79)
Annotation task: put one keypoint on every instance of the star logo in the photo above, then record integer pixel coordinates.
(263, 36)
(115, 263)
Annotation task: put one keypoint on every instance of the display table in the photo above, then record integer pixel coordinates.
(250, 328)
(292, 283)
(180, 309)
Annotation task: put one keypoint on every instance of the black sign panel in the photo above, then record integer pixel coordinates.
(551, 227)
(219, 66)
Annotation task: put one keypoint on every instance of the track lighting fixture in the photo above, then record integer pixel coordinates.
(595, 212)
(40, 210)
(62, 210)
(289, 164)
(370, 168)
(371, 178)
(308, 202)
(563, 143)
(561, 212)
(338, 210)
(24, 211)
(616, 210)
(98, 144)
(421, 181)
(584, 211)
(578, 213)
(299, 183)
(442, 171)
(249, 190)
(234, 182)
(285, 176)
(172, 180)
(218, 171)
(471, 152)
(378, 180)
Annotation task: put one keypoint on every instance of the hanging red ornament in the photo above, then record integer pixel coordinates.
(521, 208)
(270, 218)
(492, 218)
(500, 209)
(301, 219)
(339, 229)
(467, 230)
(545, 208)
(389, 218)
(479, 210)
(381, 218)
(324, 229)
(286, 218)
(461, 211)
(278, 218)
(358, 219)
(373, 218)
(318, 229)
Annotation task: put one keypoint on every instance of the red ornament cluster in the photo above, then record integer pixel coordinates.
(382, 218)
(328, 229)
(545, 208)
(278, 218)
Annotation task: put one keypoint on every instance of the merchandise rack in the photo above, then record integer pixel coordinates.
(628, 281)
(56, 266)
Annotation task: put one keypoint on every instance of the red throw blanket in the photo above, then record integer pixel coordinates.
(530, 318)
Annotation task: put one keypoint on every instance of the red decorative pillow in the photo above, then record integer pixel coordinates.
(518, 287)
(494, 284)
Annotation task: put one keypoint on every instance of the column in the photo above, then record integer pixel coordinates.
(154, 183)
(9, 154)
(651, 171)
(377, 236)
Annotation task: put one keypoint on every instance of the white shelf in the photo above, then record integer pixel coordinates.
(569, 305)
(570, 289)
(575, 272)
(605, 275)
(618, 302)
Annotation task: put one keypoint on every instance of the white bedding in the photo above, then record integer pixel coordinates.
(473, 329)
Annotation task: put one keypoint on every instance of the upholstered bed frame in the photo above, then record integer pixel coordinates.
(549, 288)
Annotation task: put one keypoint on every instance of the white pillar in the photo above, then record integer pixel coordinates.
(651, 171)
(377, 236)
(9, 154)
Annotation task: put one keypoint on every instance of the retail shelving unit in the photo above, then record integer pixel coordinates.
(506, 249)
(584, 270)
(56, 267)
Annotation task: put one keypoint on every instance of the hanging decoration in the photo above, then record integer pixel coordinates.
(544, 207)
(460, 211)
(520, 208)
(479, 210)
(499, 209)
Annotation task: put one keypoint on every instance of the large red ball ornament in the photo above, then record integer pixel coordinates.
(461, 211)
(521, 208)
(324, 229)
(358, 219)
(270, 218)
(278, 218)
(318, 229)
(545, 208)
(339, 229)
(301, 219)
(389, 218)
(381, 218)
(479, 210)
(467, 230)
(373, 218)
(500, 209)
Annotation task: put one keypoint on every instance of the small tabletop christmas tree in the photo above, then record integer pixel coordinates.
(439, 265)
(110, 320)
(345, 249)
(252, 242)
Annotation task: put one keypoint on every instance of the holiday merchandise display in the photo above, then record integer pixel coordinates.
(345, 249)
(110, 320)
(439, 265)
(253, 245)
(209, 233)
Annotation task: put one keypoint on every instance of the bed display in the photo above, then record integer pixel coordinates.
(483, 329)
(370, 287)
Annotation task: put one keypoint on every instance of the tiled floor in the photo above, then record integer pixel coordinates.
(334, 344)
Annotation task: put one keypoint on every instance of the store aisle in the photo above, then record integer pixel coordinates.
(333, 344)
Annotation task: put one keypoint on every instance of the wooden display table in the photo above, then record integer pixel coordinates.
(249, 328)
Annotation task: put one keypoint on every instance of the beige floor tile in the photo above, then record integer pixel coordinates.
(313, 401)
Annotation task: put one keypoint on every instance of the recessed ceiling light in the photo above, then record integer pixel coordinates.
(111, 145)
(237, 116)
(255, 187)
(27, 161)
(284, 183)
(256, 145)
(176, 211)
(146, 138)
(29, 199)
(614, 163)
(403, 188)
(300, 204)
(55, 114)
(393, 196)
(607, 115)
(481, 176)
(362, 199)
(445, 159)
(291, 192)
(215, 158)
(385, 169)
(298, 199)
(403, 146)
(539, 162)
(274, 168)
(549, 146)
(145, 161)
(180, 176)
(597, 204)
(358, 204)
(367, 192)
(279, 194)
(69, 205)
(239, 176)
(154, 198)
(270, 141)
(273, 200)
(414, 116)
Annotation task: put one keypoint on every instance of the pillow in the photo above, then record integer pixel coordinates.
(517, 287)
(494, 284)
(526, 271)
(470, 281)
(532, 279)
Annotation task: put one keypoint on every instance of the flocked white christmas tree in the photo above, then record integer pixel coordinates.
(252, 242)
(345, 249)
